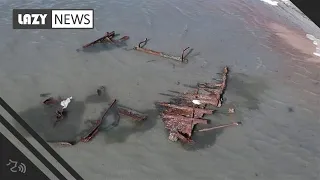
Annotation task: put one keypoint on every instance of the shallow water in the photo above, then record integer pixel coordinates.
(274, 86)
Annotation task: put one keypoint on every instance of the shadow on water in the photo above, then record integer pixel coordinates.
(102, 47)
(203, 140)
(246, 87)
(42, 119)
(128, 127)
(100, 96)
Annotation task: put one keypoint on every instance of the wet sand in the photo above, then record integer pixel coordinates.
(274, 87)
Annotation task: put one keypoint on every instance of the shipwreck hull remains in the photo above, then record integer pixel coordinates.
(181, 118)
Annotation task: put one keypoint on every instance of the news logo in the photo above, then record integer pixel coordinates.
(53, 19)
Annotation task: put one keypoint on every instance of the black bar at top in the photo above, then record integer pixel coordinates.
(43, 143)
(309, 8)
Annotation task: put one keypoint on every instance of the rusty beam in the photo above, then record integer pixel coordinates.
(220, 126)
(109, 38)
(132, 113)
(141, 48)
(95, 129)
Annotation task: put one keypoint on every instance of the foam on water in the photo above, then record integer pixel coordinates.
(270, 2)
(316, 42)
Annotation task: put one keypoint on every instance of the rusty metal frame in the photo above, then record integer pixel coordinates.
(107, 38)
(181, 58)
(95, 129)
(181, 118)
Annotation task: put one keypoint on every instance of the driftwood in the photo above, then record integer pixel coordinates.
(141, 48)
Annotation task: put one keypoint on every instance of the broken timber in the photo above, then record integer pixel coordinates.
(141, 48)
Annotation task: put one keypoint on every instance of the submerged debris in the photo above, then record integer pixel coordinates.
(181, 118)
(101, 90)
(109, 118)
(44, 94)
(220, 126)
(61, 109)
(231, 110)
(135, 115)
(92, 133)
(181, 58)
(186, 111)
(64, 143)
(107, 38)
(106, 123)
(103, 122)
(50, 100)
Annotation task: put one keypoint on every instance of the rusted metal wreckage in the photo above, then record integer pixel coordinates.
(110, 118)
(114, 111)
(182, 58)
(60, 111)
(107, 38)
(180, 119)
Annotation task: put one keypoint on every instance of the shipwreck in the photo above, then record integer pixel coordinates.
(181, 118)
(108, 119)
(109, 37)
(141, 48)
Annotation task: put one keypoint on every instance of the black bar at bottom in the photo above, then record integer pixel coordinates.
(43, 143)
(15, 165)
(31, 148)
